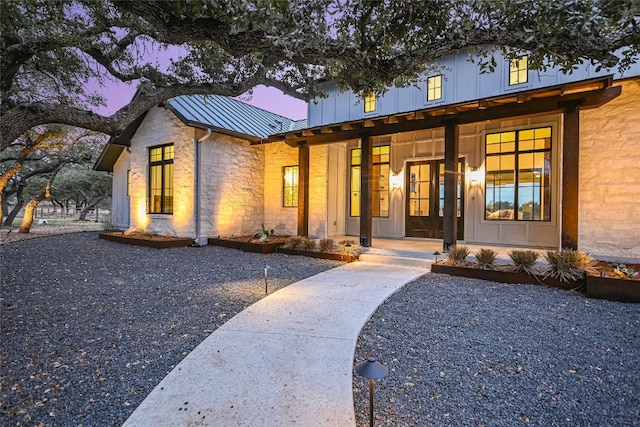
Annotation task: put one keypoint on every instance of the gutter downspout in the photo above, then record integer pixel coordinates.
(196, 185)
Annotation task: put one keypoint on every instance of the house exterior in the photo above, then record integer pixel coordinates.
(513, 157)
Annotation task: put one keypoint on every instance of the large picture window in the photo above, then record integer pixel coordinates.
(518, 175)
(379, 177)
(290, 186)
(161, 179)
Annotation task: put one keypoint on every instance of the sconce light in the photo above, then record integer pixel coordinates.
(475, 175)
(395, 181)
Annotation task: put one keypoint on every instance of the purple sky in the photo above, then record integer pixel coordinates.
(267, 98)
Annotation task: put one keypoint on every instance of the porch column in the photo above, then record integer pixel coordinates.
(570, 171)
(450, 220)
(366, 185)
(303, 189)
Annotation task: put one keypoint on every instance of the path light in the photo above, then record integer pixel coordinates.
(266, 277)
(371, 369)
(436, 253)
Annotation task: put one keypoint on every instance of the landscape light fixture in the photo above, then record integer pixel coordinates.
(436, 253)
(266, 279)
(371, 369)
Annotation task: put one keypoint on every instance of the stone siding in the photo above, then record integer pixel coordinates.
(231, 186)
(609, 212)
(158, 128)
(318, 191)
(283, 221)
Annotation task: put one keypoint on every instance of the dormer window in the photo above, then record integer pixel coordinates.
(434, 88)
(370, 103)
(518, 70)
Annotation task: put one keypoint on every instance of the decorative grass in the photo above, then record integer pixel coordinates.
(326, 245)
(568, 265)
(486, 258)
(524, 260)
(457, 255)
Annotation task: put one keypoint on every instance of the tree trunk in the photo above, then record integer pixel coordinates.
(88, 205)
(27, 220)
(14, 212)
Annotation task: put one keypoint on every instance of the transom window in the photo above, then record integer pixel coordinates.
(518, 175)
(290, 186)
(434, 88)
(518, 70)
(161, 179)
(380, 179)
(370, 103)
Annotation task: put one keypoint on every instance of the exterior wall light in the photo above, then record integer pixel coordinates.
(371, 369)
(475, 175)
(395, 181)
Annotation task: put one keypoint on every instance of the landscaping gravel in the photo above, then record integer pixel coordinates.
(465, 352)
(89, 327)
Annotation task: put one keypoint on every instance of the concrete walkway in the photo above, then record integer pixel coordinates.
(287, 360)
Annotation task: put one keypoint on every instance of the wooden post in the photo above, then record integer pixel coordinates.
(570, 176)
(450, 220)
(366, 187)
(303, 189)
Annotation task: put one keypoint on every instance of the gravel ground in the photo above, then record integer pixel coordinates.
(465, 352)
(89, 327)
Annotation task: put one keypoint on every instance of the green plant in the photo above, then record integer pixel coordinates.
(308, 244)
(349, 247)
(326, 245)
(294, 242)
(457, 255)
(568, 265)
(487, 258)
(524, 260)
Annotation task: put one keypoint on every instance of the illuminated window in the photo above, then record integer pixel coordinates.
(518, 175)
(434, 88)
(290, 186)
(370, 103)
(518, 70)
(379, 177)
(161, 179)
(128, 183)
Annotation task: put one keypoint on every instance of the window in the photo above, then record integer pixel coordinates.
(161, 179)
(129, 183)
(434, 88)
(290, 186)
(518, 175)
(518, 70)
(379, 177)
(370, 103)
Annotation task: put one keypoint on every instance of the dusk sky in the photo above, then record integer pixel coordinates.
(267, 98)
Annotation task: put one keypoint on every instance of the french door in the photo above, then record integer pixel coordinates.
(425, 198)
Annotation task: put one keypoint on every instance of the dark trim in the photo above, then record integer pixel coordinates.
(303, 189)
(366, 187)
(451, 151)
(570, 177)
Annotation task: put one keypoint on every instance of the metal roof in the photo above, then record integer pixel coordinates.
(231, 116)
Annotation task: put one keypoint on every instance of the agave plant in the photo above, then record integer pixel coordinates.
(326, 245)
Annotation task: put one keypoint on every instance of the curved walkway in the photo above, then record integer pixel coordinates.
(286, 360)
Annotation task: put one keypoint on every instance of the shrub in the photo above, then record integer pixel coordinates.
(457, 255)
(349, 247)
(568, 265)
(294, 242)
(326, 245)
(308, 244)
(524, 260)
(487, 258)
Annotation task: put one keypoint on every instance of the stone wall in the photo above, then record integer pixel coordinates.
(283, 221)
(609, 212)
(231, 186)
(318, 191)
(158, 128)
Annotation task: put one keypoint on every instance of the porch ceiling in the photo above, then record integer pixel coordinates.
(584, 95)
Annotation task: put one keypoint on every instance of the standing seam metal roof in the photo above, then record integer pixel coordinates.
(215, 111)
